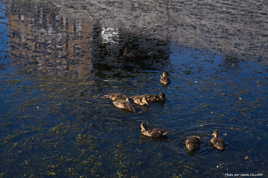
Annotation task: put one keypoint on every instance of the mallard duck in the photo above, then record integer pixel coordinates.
(140, 100)
(115, 96)
(148, 99)
(124, 104)
(155, 98)
(164, 78)
(192, 143)
(216, 141)
(154, 133)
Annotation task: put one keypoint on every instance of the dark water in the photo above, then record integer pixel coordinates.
(54, 66)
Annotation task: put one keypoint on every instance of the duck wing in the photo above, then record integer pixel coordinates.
(217, 143)
(156, 132)
(115, 96)
(124, 105)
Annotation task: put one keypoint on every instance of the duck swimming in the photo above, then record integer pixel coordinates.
(148, 99)
(164, 80)
(139, 100)
(154, 133)
(216, 141)
(124, 104)
(161, 97)
(115, 96)
(192, 143)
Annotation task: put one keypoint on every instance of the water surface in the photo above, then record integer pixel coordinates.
(56, 64)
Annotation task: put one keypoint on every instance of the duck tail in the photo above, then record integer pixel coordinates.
(132, 108)
(106, 96)
(165, 133)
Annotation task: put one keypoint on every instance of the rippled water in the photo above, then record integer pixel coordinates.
(55, 64)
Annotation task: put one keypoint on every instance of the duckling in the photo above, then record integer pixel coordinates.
(124, 104)
(164, 78)
(192, 143)
(216, 141)
(154, 133)
(115, 96)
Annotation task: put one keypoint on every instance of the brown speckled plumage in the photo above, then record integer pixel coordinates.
(154, 133)
(192, 143)
(115, 96)
(124, 104)
(216, 141)
(148, 99)
(164, 80)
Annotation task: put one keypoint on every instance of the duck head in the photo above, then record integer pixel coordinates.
(162, 96)
(143, 127)
(164, 74)
(215, 133)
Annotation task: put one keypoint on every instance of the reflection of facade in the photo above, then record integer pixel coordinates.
(56, 44)
(232, 27)
(64, 42)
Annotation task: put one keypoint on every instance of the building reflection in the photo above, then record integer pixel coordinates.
(68, 43)
(43, 40)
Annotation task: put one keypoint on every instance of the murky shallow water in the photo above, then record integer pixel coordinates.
(55, 67)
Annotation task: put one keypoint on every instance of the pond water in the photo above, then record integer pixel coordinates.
(54, 67)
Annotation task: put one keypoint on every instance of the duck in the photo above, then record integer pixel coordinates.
(161, 97)
(115, 96)
(140, 100)
(147, 99)
(154, 132)
(164, 80)
(192, 143)
(124, 104)
(216, 141)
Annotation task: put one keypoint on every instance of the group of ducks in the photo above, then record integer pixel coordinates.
(192, 143)
(124, 102)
